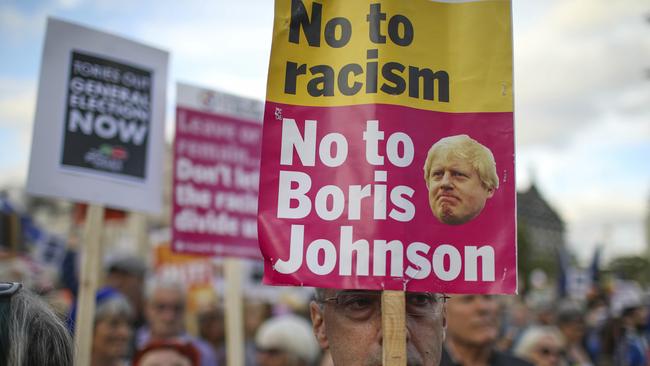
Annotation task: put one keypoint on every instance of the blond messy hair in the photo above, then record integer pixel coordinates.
(465, 148)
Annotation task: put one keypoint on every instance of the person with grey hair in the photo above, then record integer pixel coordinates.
(165, 302)
(113, 329)
(347, 323)
(541, 345)
(286, 340)
(460, 175)
(30, 332)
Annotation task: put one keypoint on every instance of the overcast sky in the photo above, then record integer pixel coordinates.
(582, 91)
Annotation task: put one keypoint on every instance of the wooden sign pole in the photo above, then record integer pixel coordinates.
(83, 334)
(139, 231)
(234, 312)
(393, 328)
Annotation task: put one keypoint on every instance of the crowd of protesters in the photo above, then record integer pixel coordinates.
(140, 319)
(601, 329)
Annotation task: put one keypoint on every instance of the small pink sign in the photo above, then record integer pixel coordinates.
(216, 178)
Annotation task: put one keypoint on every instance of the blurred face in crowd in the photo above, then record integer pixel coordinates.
(547, 352)
(211, 326)
(573, 330)
(165, 312)
(132, 287)
(164, 357)
(456, 193)
(640, 316)
(472, 320)
(255, 314)
(276, 357)
(348, 324)
(111, 337)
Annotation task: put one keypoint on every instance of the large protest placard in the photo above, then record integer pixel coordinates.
(388, 147)
(216, 173)
(99, 125)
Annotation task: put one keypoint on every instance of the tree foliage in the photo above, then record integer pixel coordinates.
(631, 268)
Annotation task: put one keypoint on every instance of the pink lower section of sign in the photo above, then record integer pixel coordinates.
(344, 202)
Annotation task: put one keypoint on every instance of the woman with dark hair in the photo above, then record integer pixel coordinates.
(30, 332)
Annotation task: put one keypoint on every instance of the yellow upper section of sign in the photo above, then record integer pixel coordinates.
(439, 56)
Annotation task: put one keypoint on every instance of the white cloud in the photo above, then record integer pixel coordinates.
(618, 238)
(580, 16)
(577, 61)
(599, 181)
(14, 176)
(69, 4)
(17, 103)
(18, 28)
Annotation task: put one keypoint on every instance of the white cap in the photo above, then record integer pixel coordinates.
(288, 333)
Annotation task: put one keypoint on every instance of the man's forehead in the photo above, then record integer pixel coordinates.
(328, 292)
(451, 162)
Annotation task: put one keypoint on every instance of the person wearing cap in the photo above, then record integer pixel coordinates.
(113, 329)
(286, 341)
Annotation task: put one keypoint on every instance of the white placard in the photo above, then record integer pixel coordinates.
(100, 116)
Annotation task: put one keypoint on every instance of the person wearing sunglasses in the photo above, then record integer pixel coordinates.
(347, 323)
(542, 345)
(30, 332)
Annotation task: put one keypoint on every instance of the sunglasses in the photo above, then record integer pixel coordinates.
(548, 351)
(8, 289)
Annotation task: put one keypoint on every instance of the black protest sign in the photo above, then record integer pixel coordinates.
(108, 116)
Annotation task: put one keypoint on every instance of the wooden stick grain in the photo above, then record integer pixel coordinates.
(234, 312)
(88, 279)
(393, 327)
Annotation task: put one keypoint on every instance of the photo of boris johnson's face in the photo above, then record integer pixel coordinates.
(456, 194)
(460, 175)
